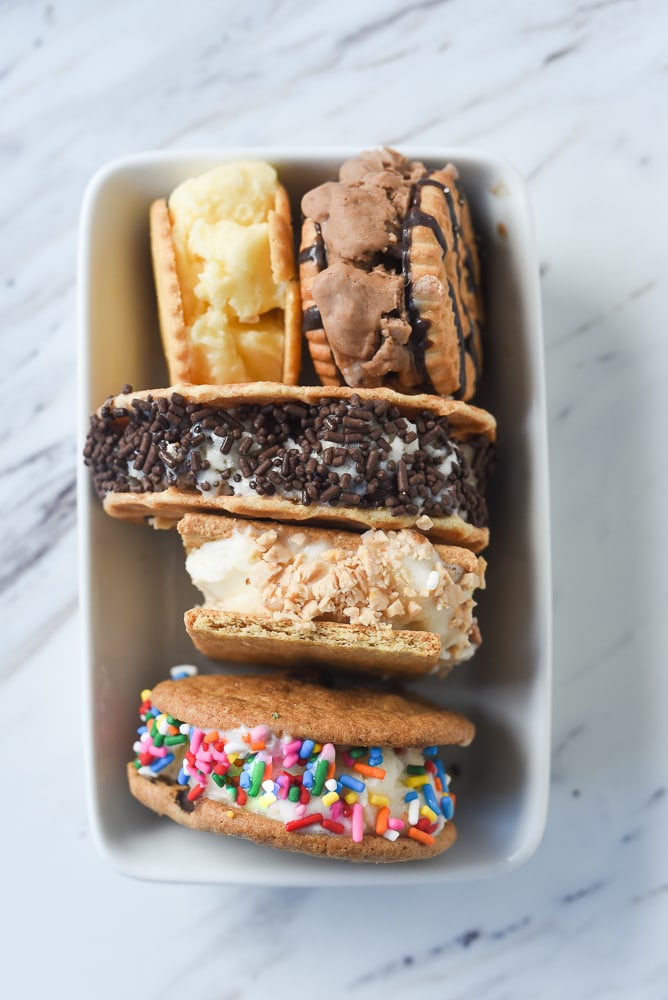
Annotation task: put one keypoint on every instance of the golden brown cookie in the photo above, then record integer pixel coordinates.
(166, 799)
(168, 291)
(312, 260)
(444, 283)
(343, 752)
(430, 338)
(142, 457)
(389, 603)
(353, 715)
(215, 327)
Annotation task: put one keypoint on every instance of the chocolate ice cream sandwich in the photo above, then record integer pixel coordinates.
(350, 774)
(365, 459)
(387, 602)
(225, 276)
(390, 278)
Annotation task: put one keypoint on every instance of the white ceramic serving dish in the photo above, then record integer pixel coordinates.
(134, 588)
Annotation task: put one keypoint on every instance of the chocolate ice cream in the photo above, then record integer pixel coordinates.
(390, 290)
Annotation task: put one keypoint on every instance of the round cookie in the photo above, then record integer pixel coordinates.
(355, 716)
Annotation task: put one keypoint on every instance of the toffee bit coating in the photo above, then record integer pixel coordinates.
(351, 452)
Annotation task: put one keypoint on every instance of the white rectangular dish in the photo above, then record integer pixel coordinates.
(134, 588)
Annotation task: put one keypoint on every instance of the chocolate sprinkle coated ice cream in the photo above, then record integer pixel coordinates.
(352, 452)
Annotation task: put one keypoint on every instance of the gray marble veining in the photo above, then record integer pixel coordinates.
(574, 94)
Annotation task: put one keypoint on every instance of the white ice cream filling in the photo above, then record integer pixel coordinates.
(219, 466)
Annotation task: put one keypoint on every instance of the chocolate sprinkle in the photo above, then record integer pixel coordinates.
(308, 453)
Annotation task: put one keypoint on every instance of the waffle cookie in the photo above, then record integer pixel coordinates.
(284, 595)
(390, 278)
(350, 774)
(225, 276)
(365, 459)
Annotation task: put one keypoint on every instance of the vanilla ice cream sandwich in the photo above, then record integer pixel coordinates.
(365, 459)
(225, 275)
(390, 278)
(387, 602)
(349, 774)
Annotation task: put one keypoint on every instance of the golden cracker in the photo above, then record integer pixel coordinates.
(241, 638)
(465, 419)
(282, 256)
(173, 330)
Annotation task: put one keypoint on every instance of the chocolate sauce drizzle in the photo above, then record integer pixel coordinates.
(471, 345)
(316, 252)
(470, 270)
(311, 319)
(416, 217)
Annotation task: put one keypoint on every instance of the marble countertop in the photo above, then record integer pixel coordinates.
(574, 94)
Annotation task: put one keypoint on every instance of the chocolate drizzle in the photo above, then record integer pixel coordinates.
(416, 217)
(419, 325)
(311, 319)
(315, 253)
(470, 269)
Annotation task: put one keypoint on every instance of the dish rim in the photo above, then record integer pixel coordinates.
(329, 873)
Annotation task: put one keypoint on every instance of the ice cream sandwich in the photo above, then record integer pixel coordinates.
(364, 459)
(390, 278)
(349, 774)
(225, 276)
(387, 602)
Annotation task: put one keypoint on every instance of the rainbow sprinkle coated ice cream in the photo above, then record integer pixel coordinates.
(349, 796)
